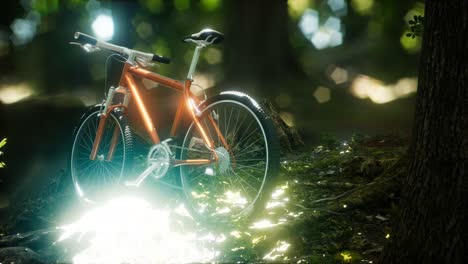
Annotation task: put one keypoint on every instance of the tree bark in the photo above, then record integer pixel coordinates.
(432, 225)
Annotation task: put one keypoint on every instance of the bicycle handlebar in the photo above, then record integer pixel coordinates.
(160, 59)
(87, 39)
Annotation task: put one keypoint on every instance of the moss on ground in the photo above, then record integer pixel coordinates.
(337, 203)
(332, 204)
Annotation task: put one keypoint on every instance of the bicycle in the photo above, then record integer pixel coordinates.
(228, 157)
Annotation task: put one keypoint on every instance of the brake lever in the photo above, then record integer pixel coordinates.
(86, 47)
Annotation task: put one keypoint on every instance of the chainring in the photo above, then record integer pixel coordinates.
(161, 154)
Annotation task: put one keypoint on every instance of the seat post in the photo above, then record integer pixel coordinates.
(193, 65)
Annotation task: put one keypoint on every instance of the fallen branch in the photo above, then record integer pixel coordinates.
(317, 209)
(336, 197)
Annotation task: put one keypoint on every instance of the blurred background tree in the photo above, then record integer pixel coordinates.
(328, 65)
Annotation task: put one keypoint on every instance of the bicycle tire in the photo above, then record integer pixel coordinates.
(272, 152)
(93, 187)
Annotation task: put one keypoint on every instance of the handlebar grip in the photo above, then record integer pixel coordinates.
(85, 38)
(161, 59)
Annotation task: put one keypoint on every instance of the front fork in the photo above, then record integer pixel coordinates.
(103, 115)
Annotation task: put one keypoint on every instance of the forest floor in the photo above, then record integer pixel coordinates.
(333, 204)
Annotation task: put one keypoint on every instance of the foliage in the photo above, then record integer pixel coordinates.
(2, 143)
(416, 26)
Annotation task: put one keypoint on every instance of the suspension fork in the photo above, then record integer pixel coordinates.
(103, 115)
(98, 137)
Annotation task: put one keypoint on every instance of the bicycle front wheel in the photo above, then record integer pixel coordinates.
(239, 183)
(92, 178)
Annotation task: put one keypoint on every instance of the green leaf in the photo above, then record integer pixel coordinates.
(3, 142)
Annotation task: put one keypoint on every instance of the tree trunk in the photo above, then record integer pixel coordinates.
(257, 49)
(431, 227)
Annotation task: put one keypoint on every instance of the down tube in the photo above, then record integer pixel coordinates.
(142, 109)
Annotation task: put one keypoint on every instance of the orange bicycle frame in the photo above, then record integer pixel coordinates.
(189, 101)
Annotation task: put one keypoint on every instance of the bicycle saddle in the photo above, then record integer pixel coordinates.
(206, 36)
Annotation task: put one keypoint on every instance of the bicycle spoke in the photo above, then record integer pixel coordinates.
(250, 160)
(244, 153)
(253, 177)
(94, 175)
(248, 184)
(249, 167)
(242, 131)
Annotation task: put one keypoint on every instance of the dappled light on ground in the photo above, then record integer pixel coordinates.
(129, 230)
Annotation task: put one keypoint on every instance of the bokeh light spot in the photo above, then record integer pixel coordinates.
(210, 5)
(362, 7)
(321, 39)
(339, 7)
(338, 75)
(367, 87)
(309, 22)
(204, 80)
(24, 30)
(13, 93)
(333, 23)
(322, 94)
(325, 36)
(103, 27)
(411, 45)
(213, 56)
(297, 7)
(144, 30)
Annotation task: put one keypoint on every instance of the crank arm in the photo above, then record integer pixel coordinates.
(142, 176)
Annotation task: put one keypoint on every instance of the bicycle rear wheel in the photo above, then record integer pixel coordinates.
(92, 178)
(239, 184)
